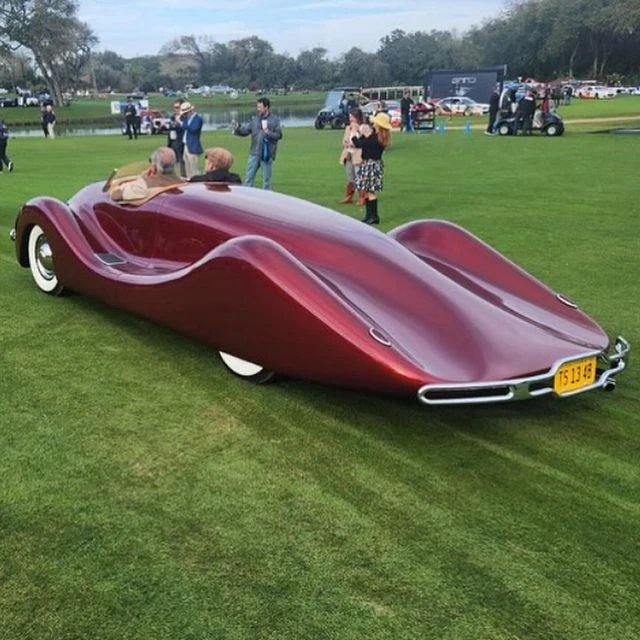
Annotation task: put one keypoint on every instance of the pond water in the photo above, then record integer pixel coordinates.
(289, 117)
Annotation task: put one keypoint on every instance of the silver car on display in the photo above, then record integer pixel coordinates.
(461, 106)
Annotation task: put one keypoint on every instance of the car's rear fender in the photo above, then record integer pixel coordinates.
(453, 250)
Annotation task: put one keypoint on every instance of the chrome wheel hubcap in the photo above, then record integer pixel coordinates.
(44, 258)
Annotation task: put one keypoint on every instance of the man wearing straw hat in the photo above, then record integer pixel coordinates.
(191, 128)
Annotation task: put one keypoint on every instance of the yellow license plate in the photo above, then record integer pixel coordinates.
(575, 375)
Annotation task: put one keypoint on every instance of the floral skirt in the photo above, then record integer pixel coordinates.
(369, 175)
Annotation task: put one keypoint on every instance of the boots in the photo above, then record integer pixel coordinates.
(372, 213)
(348, 193)
(361, 199)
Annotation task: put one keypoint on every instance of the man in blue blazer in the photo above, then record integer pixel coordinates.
(191, 130)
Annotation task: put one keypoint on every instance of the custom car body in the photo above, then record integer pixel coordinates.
(276, 284)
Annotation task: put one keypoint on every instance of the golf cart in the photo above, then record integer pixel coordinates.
(337, 104)
(549, 123)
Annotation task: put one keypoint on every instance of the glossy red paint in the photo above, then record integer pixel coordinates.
(298, 288)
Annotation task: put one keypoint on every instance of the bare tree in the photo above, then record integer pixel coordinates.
(50, 31)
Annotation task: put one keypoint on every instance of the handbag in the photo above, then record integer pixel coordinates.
(264, 152)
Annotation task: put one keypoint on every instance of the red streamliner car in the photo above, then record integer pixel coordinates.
(276, 284)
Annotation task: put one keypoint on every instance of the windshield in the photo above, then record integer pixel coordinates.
(333, 99)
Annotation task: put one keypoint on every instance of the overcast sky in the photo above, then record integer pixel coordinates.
(141, 27)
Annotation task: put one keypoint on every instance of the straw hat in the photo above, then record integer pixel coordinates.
(382, 120)
(185, 107)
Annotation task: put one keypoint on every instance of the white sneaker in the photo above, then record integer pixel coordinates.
(10, 167)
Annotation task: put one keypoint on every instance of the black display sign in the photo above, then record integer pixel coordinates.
(476, 84)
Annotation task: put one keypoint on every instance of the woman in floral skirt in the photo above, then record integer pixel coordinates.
(373, 141)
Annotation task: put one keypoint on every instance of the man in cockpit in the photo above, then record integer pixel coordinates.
(160, 173)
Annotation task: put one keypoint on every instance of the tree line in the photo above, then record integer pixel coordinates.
(43, 41)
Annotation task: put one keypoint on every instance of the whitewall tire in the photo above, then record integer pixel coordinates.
(247, 370)
(41, 262)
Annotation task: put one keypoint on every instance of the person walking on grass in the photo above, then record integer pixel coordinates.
(5, 161)
(49, 120)
(405, 111)
(373, 140)
(264, 129)
(494, 107)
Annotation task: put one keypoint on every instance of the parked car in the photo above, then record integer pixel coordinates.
(152, 122)
(275, 284)
(461, 106)
(30, 101)
(597, 92)
(8, 102)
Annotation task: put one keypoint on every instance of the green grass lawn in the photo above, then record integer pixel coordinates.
(148, 494)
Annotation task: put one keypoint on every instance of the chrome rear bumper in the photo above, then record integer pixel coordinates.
(609, 364)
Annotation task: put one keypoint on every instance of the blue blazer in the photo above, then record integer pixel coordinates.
(193, 126)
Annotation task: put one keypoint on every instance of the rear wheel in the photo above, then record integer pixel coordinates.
(250, 371)
(41, 262)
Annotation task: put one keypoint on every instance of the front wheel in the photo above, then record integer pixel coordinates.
(504, 129)
(249, 371)
(41, 262)
(319, 124)
(552, 130)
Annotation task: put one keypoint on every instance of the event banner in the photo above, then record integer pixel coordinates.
(476, 84)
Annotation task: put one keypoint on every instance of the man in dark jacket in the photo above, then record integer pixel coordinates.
(525, 112)
(174, 136)
(264, 129)
(217, 163)
(130, 119)
(405, 111)
(4, 140)
(494, 107)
